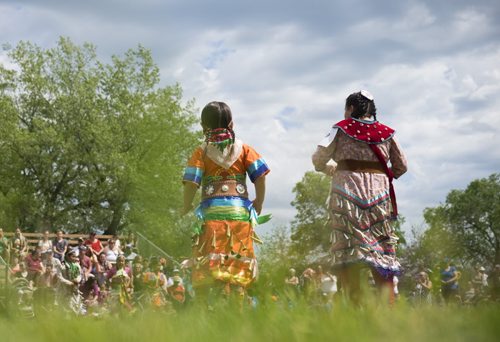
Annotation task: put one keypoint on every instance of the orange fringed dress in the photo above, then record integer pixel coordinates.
(223, 241)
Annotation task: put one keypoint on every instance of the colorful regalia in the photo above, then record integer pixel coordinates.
(362, 204)
(223, 240)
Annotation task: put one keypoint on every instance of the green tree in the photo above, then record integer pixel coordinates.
(90, 145)
(467, 226)
(275, 255)
(310, 230)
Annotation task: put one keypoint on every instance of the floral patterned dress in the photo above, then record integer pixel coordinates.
(360, 206)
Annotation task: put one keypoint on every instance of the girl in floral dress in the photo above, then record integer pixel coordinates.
(362, 203)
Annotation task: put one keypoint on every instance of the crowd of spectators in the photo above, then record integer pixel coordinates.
(449, 284)
(316, 286)
(92, 277)
(441, 285)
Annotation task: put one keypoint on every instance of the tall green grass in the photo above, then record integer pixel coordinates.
(270, 321)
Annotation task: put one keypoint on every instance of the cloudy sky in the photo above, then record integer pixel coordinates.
(286, 67)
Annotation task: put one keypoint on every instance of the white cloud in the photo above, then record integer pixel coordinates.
(285, 72)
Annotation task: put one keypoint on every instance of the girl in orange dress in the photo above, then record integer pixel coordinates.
(223, 241)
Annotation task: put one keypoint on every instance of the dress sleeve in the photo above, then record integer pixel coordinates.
(195, 168)
(399, 164)
(255, 165)
(323, 154)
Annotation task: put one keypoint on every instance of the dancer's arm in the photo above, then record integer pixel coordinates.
(189, 193)
(260, 193)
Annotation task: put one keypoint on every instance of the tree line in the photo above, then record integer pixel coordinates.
(91, 145)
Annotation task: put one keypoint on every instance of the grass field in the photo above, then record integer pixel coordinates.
(269, 322)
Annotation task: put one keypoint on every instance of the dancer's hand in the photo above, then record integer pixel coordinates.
(330, 170)
(258, 206)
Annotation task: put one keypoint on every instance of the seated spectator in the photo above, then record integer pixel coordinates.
(176, 291)
(85, 263)
(60, 246)
(46, 286)
(163, 265)
(80, 246)
(309, 284)
(45, 244)
(137, 275)
(131, 241)
(120, 273)
(139, 260)
(327, 284)
(116, 247)
(154, 278)
(34, 265)
(292, 278)
(423, 288)
(129, 254)
(111, 251)
(118, 243)
(292, 289)
(480, 280)
(70, 280)
(18, 244)
(91, 294)
(175, 273)
(47, 279)
(120, 283)
(156, 284)
(101, 269)
(71, 273)
(18, 268)
(90, 288)
(54, 264)
(449, 282)
(94, 244)
(55, 267)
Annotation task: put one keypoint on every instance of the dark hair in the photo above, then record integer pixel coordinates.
(362, 106)
(216, 115)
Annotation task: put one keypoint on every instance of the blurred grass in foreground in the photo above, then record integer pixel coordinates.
(269, 322)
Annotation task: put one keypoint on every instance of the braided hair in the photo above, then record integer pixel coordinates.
(216, 115)
(216, 119)
(362, 106)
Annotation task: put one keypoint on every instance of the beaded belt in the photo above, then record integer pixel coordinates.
(228, 187)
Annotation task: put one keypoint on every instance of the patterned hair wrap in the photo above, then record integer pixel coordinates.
(220, 137)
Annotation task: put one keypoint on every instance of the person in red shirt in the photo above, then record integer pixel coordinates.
(94, 244)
